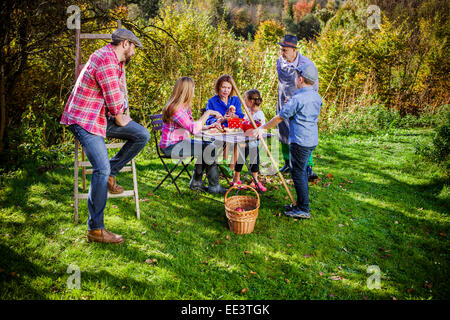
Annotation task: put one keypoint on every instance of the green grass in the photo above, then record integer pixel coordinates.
(383, 206)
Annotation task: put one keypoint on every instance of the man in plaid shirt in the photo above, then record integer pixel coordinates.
(95, 110)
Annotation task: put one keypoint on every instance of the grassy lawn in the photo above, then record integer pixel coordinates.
(377, 203)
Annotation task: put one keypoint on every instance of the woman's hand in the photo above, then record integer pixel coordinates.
(216, 125)
(215, 114)
(230, 115)
(213, 125)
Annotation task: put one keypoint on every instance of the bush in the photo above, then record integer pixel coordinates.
(268, 34)
(441, 143)
(439, 148)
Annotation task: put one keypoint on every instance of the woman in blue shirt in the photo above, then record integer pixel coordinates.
(223, 100)
(229, 106)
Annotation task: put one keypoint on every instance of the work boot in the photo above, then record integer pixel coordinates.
(213, 179)
(196, 182)
(103, 236)
(286, 167)
(113, 187)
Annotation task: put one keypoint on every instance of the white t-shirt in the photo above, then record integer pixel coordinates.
(258, 116)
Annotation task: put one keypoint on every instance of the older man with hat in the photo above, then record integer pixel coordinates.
(96, 110)
(289, 60)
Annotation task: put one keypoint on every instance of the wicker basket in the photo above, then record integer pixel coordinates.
(241, 222)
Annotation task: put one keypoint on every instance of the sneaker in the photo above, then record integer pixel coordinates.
(260, 185)
(286, 168)
(238, 183)
(290, 207)
(297, 213)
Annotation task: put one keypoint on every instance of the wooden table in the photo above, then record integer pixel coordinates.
(233, 138)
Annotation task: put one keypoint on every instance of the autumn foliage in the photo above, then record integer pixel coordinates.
(302, 8)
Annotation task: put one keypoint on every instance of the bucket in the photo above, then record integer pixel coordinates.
(234, 123)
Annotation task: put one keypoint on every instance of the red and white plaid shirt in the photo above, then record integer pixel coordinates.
(101, 83)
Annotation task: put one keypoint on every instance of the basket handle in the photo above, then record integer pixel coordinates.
(240, 186)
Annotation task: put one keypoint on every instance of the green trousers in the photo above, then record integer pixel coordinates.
(285, 153)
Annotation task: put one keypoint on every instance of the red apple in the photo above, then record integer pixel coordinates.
(239, 209)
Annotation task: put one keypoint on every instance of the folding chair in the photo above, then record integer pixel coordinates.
(86, 164)
(156, 127)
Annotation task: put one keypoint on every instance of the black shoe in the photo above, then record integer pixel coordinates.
(286, 167)
(212, 174)
(217, 189)
(311, 175)
(196, 182)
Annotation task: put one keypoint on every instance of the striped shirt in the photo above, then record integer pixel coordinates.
(179, 127)
(100, 84)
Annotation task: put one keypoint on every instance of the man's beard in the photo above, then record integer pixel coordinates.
(127, 57)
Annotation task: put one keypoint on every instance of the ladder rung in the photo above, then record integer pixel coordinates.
(124, 169)
(88, 164)
(95, 36)
(115, 145)
(126, 193)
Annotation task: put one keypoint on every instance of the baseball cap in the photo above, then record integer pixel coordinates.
(125, 34)
(308, 71)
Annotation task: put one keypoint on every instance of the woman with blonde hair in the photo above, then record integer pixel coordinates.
(175, 140)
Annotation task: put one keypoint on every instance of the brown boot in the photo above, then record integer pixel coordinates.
(113, 187)
(104, 236)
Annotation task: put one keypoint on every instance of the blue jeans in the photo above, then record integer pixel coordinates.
(94, 146)
(203, 150)
(299, 157)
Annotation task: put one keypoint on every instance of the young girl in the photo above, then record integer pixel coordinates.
(176, 143)
(253, 100)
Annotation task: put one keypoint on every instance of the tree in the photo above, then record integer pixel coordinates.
(268, 33)
(308, 27)
(302, 8)
(27, 29)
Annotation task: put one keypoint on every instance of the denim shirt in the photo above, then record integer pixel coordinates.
(218, 105)
(302, 111)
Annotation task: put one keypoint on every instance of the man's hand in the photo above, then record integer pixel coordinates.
(254, 132)
(122, 120)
